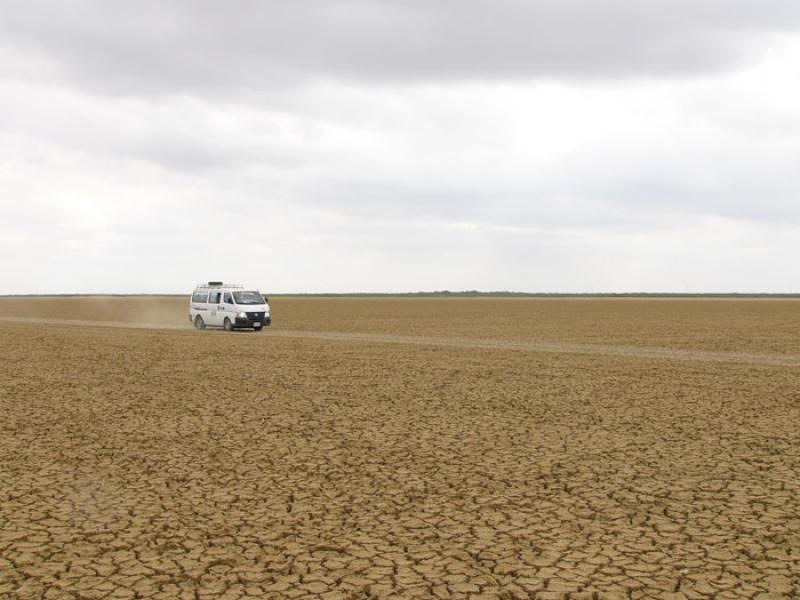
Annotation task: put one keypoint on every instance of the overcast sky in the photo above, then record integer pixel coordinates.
(310, 146)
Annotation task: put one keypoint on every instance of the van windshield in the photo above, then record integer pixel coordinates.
(248, 298)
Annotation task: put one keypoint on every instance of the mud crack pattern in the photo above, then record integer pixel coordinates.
(182, 464)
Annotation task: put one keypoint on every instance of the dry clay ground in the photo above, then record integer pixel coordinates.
(171, 463)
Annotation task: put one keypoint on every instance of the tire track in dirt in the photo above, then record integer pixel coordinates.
(753, 358)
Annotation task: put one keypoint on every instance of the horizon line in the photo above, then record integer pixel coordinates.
(440, 293)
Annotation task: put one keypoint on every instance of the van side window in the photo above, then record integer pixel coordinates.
(213, 297)
(228, 298)
(199, 297)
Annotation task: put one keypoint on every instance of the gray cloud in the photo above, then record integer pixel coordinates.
(219, 47)
(368, 145)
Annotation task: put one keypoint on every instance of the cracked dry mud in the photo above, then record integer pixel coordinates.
(183, 464)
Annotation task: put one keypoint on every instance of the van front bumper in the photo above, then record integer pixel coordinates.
(247, 322)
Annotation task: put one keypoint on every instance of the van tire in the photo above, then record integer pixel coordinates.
(227, 324)
(199, 323)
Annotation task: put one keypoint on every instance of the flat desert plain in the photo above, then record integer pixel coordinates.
(401, 448)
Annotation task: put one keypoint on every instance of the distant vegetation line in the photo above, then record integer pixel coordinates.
(452, 294)
(476, 294)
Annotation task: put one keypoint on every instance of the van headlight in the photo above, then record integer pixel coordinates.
(241, 315)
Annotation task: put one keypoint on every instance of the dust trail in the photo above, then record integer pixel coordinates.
(722, 356)
(91, 323)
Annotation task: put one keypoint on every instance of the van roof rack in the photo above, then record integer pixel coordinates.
(218, 284)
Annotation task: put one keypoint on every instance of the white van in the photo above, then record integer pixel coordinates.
(230, 306)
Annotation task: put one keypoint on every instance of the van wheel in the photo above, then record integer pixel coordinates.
(199, 323)
(227, 324)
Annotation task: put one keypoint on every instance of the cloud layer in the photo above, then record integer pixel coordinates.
(389, 146)
(248, 44)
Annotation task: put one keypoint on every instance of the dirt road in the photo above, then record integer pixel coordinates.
(755, 358)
